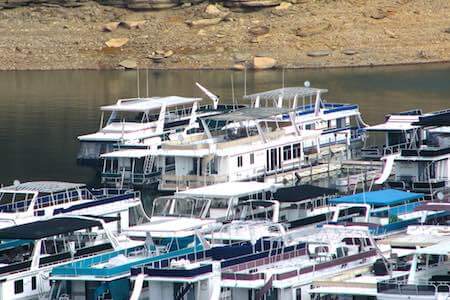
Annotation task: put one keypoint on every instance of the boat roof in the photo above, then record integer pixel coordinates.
(396, 123)
(229, 189)
(286, 93)
(249, 114)
(302, 192)
(43, 186)
(440, 118)
(50, 227)
(378, 198)
(147, 104)
(442, 248)
(130, 153)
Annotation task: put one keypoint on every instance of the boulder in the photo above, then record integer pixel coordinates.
(128, 64)
(110, 27)
(132, 24)
(117, 43)
(310, 30)
(349, 52)
(204, 22)
(378, 14)
(259, 30)
(263, 62)
(215, 11)
(318, 53)
(238, 67)
(283, 6)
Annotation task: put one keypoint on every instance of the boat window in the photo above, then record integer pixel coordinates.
(161, 206)
(33, 283)
(239, 161)
(128, 116)
(296, 150)
(190, 207)
(252, 158)
(18, 286)
(287, 150)
(298, 294)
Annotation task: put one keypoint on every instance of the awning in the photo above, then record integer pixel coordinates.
(249, 114)
(46, 228)
(184, 153)
(229, 189)
(434, 119)
(396, 123)
(286, 93)
(378, 198)
(44, 186)
(302, 192)
(147, 104)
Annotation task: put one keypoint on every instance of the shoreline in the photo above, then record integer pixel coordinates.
(309, 34)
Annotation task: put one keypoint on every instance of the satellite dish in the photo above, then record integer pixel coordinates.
(16, 182)
(440, 196)
(307, 83)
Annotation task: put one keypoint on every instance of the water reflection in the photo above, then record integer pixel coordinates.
(42, 112)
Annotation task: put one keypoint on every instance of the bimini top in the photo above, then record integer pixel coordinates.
(46, 228)
(378, 198)
(302, 192)
(229, 189)
(44, 186)
(147, 104)
(441, 118)
(396, 123)
(286, 93)
(249, 114)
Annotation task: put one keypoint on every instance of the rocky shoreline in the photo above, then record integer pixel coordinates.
(296, 34)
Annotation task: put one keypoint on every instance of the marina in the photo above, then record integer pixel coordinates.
(198, 192)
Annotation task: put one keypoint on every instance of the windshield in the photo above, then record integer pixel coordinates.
(182, 207)
(15, 202)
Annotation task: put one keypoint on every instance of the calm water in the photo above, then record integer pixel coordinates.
(42, 112)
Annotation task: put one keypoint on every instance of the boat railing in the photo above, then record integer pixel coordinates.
(169, 180)
(419, 288)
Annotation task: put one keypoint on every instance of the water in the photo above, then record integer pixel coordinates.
(42, 112)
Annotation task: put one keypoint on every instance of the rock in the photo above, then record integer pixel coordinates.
(117, 43)
(215, 11)
(132, 24)
(128, 64)
(263, 62)
(390, 34)
(423, 54)
(258, 30)
(446, 30)
(204, 22)
(349, 52)
(239, 57)
(378, 14)
(283, 6)
(318, 53)
(311, 30)
(157, 58)
(238, 67)
(201, 32)
(168, 53)
(110, 27)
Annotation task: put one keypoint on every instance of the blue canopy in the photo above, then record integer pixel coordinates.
(378, 198)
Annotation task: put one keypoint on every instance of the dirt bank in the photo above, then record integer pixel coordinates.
(313, 33)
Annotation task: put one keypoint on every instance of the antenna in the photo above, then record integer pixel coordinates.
(137, 76)
(146, 81)
(232, 90)
(245, 80)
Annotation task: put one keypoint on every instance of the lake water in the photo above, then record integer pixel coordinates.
(42, 112)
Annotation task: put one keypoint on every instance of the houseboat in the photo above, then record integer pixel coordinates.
(31, 201)
(269, 269)
(141, 121)
(29, 251)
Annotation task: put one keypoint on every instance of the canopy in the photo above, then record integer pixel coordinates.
(147, 104)
(442, 248)
(44, 186)
(378, 198)
(434, 119)
(396, 123)
(229, 189)
(249, 114)
(286, 93)
(302, 192)
(46, 228)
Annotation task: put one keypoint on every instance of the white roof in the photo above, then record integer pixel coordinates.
(229, 189)
(184, 153)
(44, 186)
(396, 122)
(147, 104)
(130, 153)
(442, 248)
